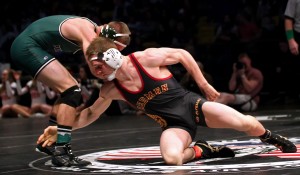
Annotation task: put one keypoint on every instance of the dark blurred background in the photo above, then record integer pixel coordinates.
(213, 31)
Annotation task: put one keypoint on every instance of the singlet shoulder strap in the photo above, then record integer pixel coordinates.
(137, 64)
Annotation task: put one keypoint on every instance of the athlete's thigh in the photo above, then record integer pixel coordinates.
(56, 76)
(174, 138)
(29, 56)
(218, 115)
(6, 108)
(40, 64)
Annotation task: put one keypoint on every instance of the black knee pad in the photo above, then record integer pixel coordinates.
(71, 96)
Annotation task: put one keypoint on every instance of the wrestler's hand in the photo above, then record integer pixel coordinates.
(210, 93)
(49, 136)
(293, 45)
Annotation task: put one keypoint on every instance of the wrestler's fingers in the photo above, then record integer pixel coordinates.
(50, 143)
(294, 51)
(46, 142)
(41, 139)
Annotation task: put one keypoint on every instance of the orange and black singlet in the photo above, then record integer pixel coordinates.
(165, 101)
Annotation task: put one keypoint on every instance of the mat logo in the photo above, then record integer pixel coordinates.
(148, 160)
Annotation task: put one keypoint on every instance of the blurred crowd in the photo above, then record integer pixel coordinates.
(214, 32)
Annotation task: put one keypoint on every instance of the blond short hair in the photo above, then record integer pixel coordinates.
(99, 45)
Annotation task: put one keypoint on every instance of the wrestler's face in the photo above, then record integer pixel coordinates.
(101, 69)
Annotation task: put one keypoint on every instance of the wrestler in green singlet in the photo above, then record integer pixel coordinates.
(38, 44)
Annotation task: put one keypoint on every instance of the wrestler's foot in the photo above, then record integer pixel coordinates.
(280, 142)
(63, 156)
(209, 151)
(48, 150)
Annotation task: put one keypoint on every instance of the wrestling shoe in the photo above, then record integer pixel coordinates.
(280, 142)
(63, 156)
(209, 151)
(48, 150)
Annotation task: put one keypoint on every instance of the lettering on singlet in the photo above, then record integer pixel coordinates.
(142, 101)
(197, 110)
(159, 120)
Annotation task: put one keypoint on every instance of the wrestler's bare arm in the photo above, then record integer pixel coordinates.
(168, 56)
(107, 93)
(82, 31)
(92, 113)
(77, 29)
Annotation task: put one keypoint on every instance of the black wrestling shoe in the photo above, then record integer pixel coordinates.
(48, 150)
(63, 156)
(214, 151)
(280, 142)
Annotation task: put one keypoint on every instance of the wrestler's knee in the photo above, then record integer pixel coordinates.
(253, 127)
(71, 97)
(172, 156)
(250, 123)
(14, 106)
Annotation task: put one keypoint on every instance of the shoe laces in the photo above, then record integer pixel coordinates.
(72, 156)
(216, 149)
(278, 138)
(75, 158)
(69, 149)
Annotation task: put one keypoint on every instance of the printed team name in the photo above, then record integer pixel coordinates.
(142, 102)
(159, 120)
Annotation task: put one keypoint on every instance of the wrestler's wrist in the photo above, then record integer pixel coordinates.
(204, 84)
(289, 34)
